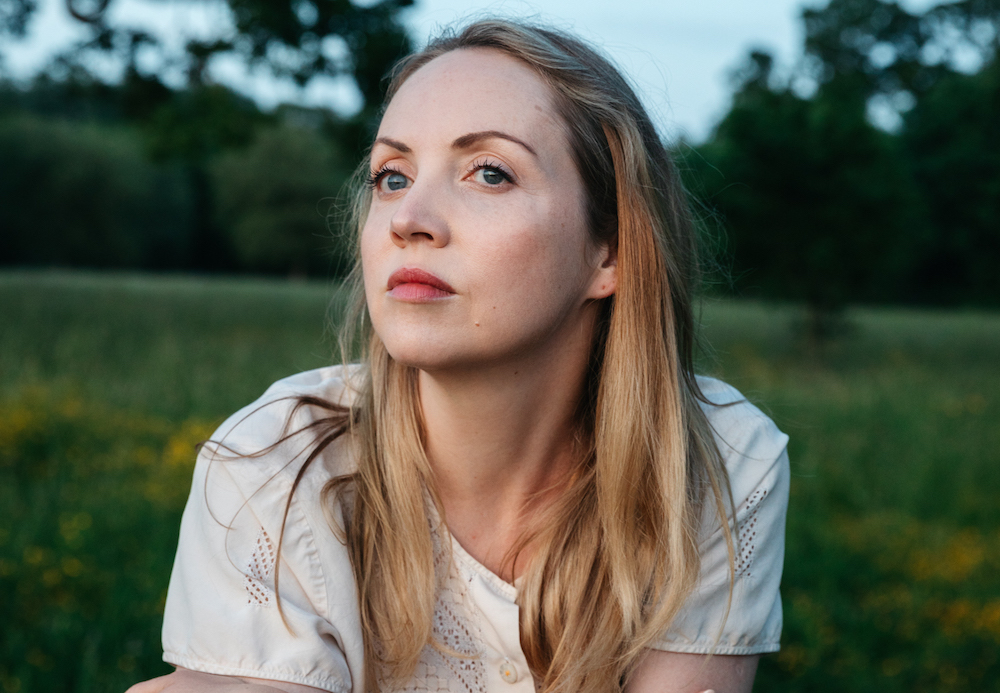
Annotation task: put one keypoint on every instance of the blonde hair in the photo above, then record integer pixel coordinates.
(620, 555)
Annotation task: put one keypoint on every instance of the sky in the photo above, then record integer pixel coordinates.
(678, 53)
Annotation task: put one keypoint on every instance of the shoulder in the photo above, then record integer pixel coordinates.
(279, 413)
(736, 607)
(254, 459)
(751, 445)
(335, 384)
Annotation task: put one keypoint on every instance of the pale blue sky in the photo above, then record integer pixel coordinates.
(678, 53)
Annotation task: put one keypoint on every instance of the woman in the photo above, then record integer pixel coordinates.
(524, 485)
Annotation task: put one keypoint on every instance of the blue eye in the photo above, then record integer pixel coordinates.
(493, 177)
(393, 181)
(491, 174)
(387, 180)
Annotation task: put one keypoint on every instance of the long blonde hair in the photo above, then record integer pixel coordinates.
(620, 555)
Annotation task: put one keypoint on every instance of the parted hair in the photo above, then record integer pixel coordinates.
(618, 553)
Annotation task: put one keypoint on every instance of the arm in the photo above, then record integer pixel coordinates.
(673, 672)
(187, 681)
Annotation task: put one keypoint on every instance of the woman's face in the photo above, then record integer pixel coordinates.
(476, 247)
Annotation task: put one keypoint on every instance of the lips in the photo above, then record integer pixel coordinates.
(413, 284)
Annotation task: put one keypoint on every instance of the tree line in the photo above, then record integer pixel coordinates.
(869, 172)
(818, 201)
(134, 173)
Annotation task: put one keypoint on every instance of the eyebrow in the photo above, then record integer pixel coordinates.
(463, 142)
(472, 138)
(395, 144)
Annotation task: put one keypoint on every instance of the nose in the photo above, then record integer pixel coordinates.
(420, 218)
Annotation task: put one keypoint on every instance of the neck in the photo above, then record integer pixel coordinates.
(501, 442)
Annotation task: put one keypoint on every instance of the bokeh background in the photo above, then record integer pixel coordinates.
(171, 178)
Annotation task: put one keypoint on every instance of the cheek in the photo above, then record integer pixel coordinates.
(540, 259)
(367, 241)
(371, 253)
(555, 244)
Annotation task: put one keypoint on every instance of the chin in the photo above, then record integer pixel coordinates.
(417, 353)
(436, 355)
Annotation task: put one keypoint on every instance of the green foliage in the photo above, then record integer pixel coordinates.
(197, 123)
(150, 195)
(87, 196)
(300, 39)
(891, 564)
(818, 203)
(954, 141)
(173, 348)
(273, 200)
(821, 206)
(14, 16)
(891, 561)
(115, 222)
(842, 37)
(91, 503)
(289, 36)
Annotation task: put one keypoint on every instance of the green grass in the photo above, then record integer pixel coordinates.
(892, 571)
(168, 346)
(107, 381)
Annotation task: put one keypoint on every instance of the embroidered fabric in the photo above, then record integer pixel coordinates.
(455, 661)
(258, 570)
(746, 541)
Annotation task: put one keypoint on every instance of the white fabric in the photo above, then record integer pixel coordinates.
(222, 617)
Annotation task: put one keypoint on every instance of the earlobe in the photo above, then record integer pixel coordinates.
(606, 278)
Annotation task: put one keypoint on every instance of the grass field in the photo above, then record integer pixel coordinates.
(892, 574)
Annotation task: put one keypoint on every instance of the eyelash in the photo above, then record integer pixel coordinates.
(487, 163)
(375, 176)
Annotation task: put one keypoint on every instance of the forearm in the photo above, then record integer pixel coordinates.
(187, 681)
(671, 672)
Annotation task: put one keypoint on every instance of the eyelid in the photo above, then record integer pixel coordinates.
(490, 162)
(376, 175)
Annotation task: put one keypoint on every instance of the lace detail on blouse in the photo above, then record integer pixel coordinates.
(454, 662)
(259, 569)
(748, 534)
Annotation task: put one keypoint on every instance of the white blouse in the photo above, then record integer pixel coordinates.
(221, 614)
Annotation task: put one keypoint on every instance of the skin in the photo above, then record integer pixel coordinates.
(501, 359)
(501, 354)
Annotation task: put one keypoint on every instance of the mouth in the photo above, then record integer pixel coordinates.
(416, 286)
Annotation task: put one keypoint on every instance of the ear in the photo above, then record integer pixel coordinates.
(605, 280)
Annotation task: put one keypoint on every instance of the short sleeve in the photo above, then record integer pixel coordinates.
(756, 459)
(222, 611)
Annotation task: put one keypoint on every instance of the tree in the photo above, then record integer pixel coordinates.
(189, 127)
(817, 202)
(292, 38)
(947, 124)
(14, 16)
(85, 195)
(274, 200)
(824, 207)
(953, 142)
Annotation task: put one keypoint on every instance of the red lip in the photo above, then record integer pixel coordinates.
(413, 275)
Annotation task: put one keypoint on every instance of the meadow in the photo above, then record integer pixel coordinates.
(107, 382)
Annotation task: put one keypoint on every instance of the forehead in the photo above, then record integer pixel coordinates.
(472, 89)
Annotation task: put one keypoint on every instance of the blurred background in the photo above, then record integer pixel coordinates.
(171, 196)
